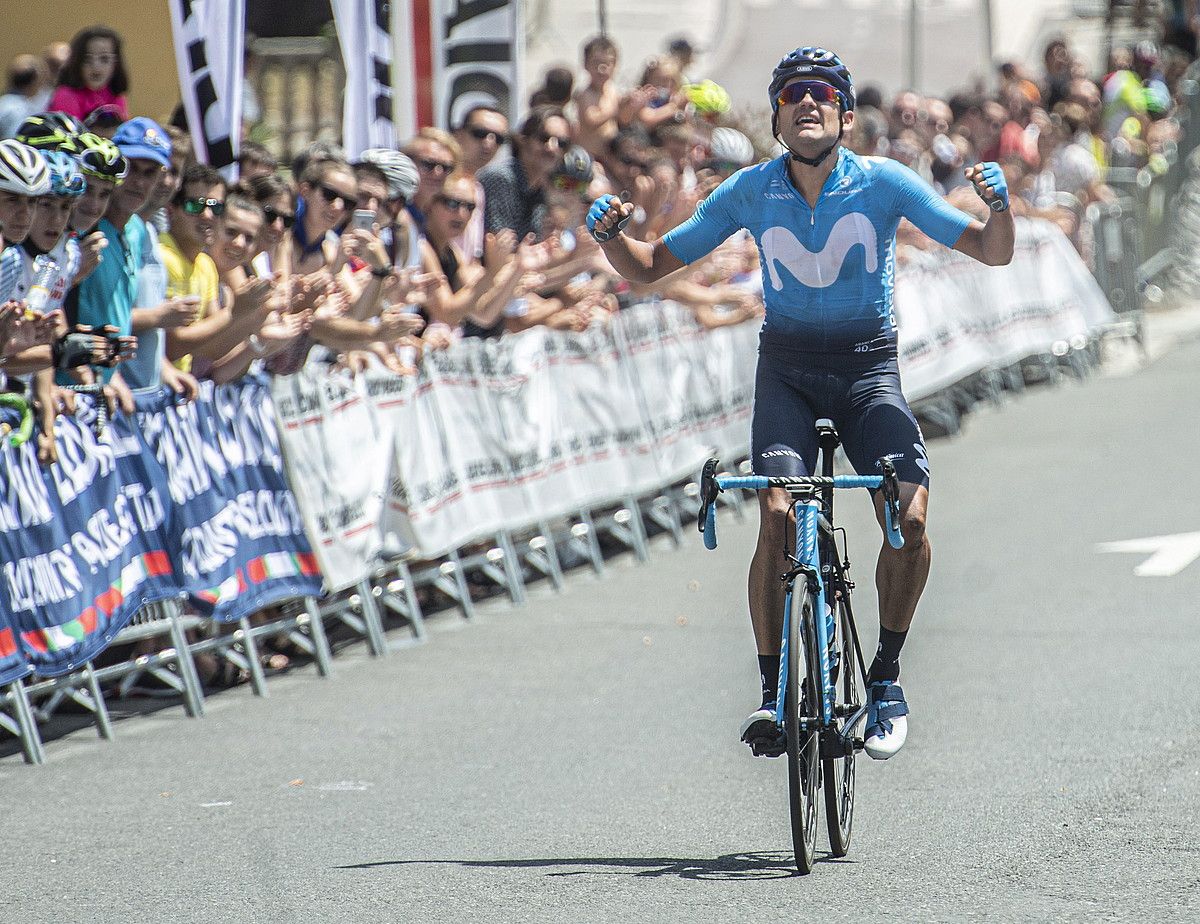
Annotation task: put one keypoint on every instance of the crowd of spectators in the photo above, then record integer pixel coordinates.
(127, 265)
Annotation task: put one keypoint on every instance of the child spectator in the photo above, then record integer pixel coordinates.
(94, 76)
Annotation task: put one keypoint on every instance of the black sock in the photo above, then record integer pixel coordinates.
(886, 665)
(768, 672)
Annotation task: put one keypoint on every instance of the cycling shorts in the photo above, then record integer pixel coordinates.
(860, 393)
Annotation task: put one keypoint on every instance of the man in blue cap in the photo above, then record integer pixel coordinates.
(132, 294)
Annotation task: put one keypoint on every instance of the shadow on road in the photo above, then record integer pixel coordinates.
(758, 865)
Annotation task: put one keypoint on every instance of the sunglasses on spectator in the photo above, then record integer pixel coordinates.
(456, 204)
(434, 166)
(273, 215)
(331, 195)
(483, 134)
(547, 137)
(199, 204)
(819, 91)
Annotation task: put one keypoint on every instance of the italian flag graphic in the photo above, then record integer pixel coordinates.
(70, 634)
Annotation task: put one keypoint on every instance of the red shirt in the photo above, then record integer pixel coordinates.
(78, 102)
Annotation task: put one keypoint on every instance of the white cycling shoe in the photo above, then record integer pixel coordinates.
(887, 720)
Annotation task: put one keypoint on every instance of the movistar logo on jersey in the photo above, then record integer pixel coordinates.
(820, 269)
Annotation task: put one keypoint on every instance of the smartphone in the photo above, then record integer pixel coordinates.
(363, 220)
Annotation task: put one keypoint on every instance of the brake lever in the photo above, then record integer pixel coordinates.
(709, 489)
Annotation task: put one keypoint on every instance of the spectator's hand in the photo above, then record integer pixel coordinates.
(250, 296)
(308, 291)
(367, 246)
(283, 330)
(91, 250)
(179, 311)
(64, 401)
(395, 324)
(355, 361)
(640, 97)
(437, 337)
(183, 384)
(643, 191)
(498, 248)
(118, 395)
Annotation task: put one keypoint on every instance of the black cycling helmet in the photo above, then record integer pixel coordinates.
(814, 63)
(817, 63)
(50, 131)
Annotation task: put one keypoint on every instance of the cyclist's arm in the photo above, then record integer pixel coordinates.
(989, 242)
(714, 220)
(640, 261)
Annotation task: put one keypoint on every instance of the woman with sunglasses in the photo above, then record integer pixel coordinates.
(825, 221)
(328, 196)
(467, 297)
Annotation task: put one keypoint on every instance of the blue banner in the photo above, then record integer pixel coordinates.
(238, 541)
(82, 547)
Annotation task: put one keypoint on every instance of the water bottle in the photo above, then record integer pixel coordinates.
(45, 271)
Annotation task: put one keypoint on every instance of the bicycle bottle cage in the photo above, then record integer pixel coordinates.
(709, 489)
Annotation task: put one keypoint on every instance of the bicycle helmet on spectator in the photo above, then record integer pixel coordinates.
(49, 131)
(815, 63)
(66, 179)
(730, 146)
(401, 172)
(100, 158)
(22, 169)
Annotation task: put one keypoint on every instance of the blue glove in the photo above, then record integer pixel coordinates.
(599, 209)
(993, 176)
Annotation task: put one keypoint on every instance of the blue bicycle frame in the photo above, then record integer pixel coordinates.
(807, 560)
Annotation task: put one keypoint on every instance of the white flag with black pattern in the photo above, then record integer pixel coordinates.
(210, 38)
(365, 35)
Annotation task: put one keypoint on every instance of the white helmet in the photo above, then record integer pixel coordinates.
(730, 145)
(22, 169)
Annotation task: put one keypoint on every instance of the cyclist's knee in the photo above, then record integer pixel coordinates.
(775, 512)
(912, 526)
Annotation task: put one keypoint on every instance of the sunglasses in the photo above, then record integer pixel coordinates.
(433, 166)
(109, 165)
(483, 134)
(455, 204)
(819, 91)
(274, 215)
(198, 205)
(331, 195)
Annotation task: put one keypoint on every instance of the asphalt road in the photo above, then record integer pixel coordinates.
(577, 759)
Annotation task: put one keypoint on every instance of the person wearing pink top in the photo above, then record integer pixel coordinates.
(94, 75)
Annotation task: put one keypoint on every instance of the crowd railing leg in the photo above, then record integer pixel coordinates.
(193, 692)
(320, 641)
(99, 707)
(22, 723)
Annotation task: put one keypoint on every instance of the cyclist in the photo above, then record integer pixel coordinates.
(825, 221)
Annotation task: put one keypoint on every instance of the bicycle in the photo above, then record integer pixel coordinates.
(819, 720)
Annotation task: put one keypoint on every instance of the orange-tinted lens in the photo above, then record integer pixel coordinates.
(795, 92)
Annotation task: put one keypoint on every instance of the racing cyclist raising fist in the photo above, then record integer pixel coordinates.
(825, 222)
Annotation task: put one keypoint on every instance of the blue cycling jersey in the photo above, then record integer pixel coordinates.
(827, 269)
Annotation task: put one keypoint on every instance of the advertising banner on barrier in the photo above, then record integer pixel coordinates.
(240, 543)
(83, 545)
(957, 318)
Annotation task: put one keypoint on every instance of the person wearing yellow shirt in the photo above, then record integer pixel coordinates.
(194, 214)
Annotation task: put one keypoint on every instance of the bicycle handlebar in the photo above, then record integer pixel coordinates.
(712, 484)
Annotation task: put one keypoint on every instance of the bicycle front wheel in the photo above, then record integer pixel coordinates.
(838, 773)
(804, 765)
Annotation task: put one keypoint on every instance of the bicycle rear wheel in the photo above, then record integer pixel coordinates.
(838, 773)
(804, 765)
